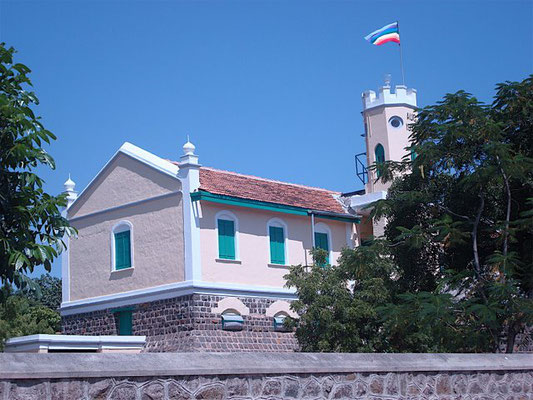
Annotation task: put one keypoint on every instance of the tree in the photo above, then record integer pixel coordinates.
(47, 292)
(337, 305)
(471, 181)
(31, 224)
(22, 314)
(460, 228)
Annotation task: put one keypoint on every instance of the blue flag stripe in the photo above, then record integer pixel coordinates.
(380, 31)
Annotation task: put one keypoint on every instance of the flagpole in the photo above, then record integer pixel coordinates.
(401, 54)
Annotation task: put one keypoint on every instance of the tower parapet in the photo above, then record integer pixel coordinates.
(402, 95)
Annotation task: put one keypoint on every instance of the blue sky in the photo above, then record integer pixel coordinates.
(270, 88)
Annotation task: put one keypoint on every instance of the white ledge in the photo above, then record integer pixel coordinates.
(44, 343)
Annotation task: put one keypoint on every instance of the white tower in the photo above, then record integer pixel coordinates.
(386, 118)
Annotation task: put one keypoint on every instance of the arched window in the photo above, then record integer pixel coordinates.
(227, 227)
(232, 320)
(277, 233)
(279, 322)
(323, 239)
(380, 155)
(122, 246)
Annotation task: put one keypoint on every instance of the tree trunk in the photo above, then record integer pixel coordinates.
(511, 337)
(477, 264)
(508, 211)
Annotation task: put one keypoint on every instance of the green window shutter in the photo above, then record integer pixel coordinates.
(277, 245)
(226, 239)
(125, 323)
(122, 250)
(321, 242)
(380, 156)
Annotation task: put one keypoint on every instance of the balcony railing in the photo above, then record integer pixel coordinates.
(360, 168)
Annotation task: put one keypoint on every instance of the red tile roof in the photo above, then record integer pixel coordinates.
(260, 189)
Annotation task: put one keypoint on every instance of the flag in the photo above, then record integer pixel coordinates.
(389, 33)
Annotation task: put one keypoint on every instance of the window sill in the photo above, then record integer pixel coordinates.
(226, 261)
(122, 270)
(282, 266)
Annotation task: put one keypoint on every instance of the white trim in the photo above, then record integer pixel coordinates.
(228, 215)
(313, 230)
(172, 290)
(357, 202)
(121, 226)
(229, 304)
(323, 228)
(65, 266)
(349, 236)
(278, 307)
(227, 261)
(276, 222)
(140, 155)
(402, 123)
(44, 343)
(126, 205)
(189, 176)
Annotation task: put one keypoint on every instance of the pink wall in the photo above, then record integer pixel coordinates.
(394, 140)
(254, 246)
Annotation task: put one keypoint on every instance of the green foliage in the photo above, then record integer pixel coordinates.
(47, 291)
(337, 304)
(26, 312)
(31, 225)
(464, 201)
(457, 253)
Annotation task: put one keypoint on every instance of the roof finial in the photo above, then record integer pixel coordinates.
(69, 186)
(188, 148)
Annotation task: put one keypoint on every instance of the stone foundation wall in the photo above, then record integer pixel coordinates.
(188, 323)
(299, 376)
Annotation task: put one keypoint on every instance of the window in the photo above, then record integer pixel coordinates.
(322, 242)
(380, 156)
(279, 322)
(277, 245)
(277, 233)
(226, 239)
(396, 122)
(122, 246)
(125, 322)
(232, 320)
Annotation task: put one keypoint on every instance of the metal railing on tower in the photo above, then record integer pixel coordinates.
(360, 168)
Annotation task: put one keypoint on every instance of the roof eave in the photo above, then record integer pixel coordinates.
(275, 207)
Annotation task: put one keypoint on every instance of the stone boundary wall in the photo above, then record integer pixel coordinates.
(189, 323)
(173, 376)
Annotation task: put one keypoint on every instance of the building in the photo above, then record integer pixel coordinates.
(193, 257)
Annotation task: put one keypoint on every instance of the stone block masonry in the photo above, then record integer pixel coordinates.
(274, 376)
(188, 323)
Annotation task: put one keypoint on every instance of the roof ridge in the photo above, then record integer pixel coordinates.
(271, 180)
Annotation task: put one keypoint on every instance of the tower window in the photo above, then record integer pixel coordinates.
(396, 122)
(380, 155)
